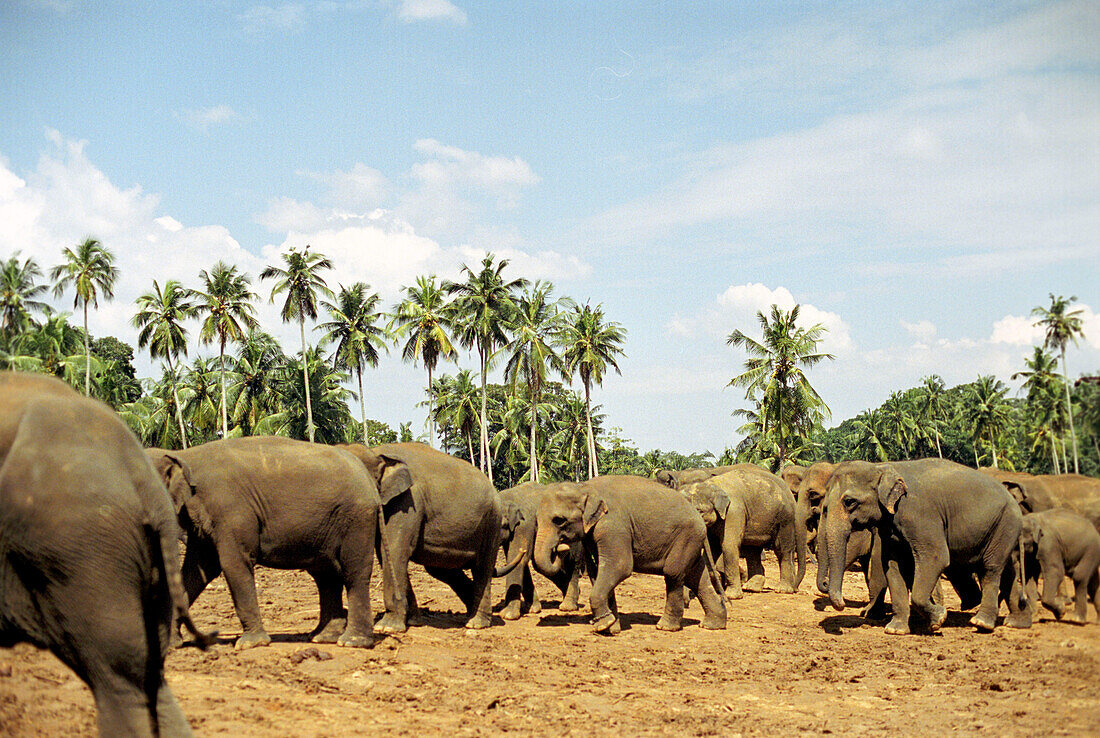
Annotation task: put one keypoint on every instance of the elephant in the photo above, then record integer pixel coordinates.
(519, 596)
(745, 511)
(933, 517)
(675, 479)
(1039, 492)
(1062, 542)
(442, 513)
(630, 524)
(284, 504)
(89, 557)
(808, 485)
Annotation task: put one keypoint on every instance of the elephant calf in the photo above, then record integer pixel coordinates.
(746, 510)
(629, 524)
(1064, 543)
(89, 560)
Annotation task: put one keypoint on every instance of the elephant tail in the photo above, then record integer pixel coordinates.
(170, 563)
(712, 569)
(504, 571)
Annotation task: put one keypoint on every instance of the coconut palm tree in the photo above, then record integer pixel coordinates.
(200, 404)
(932, 405)
(869, 440)
(901, 424)
(301, 281)
(589, 346)
(988, 413)
(159, 320)
(1041, 382)
(353, 327)
(535, 326)
(456, 406)
(226, 300)
(1062, 325)
(91, 272)
(425, 317)
(256, 370)
(790, 406)
(484, 304)
(19, 293)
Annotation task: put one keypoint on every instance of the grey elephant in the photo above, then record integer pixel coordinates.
(442, 513)
(630, 524)
(745, 511)
(933, 517)
(1060, 542)
(519, 595)
(808, 485)
(1039, 492)
(89, 560)
(284, 504)
(678, 478)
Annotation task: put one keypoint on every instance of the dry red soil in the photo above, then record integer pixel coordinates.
(787, 664)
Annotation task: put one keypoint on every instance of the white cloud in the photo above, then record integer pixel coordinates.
(923, 330)
(411, 11)
(1017, 330)
(745, 300)
(264, 18)
(203, 119)
(450, 164)
(359, 187)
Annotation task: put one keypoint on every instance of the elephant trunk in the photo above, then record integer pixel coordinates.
(547, 559)
(838, 530)
(503, 571)
(822, 541)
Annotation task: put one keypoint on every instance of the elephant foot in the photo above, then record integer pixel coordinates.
(669, 624)
(785, 588)
(569, 606)
(984, 622)
(330, 633)
(535, 607)
(734, 594)
(512, 611)
(391, 623)
(937, 614)
(755, 584)
(607, 623)
(1018, 620)
(898, 626)
(714, 622)
(478, 621)
(1074, 618)
(355, 640)
(252, 640)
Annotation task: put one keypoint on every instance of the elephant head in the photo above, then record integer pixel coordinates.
(667, 477)
(808, 485)
(175, 474)
(391, 474)
(858, 495)
(566, 514)
(711, 502)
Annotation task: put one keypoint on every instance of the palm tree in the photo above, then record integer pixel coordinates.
(259, 360)
(200, 404)
(226, 300)
(19, 291)
(331, 415)
(901, 423)
(589, 346)
(90, 270)
(353, 328)
(1062, 326)
(569, 435)
(790, 407)
(535, 325)
(301, 281)
(933, 403)
(1041, 382)
(426, 318)
(159, 322)
(869, 440)
(988, 413)
(483, 306)
(456, 406)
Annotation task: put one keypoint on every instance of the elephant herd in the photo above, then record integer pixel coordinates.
(90, 524)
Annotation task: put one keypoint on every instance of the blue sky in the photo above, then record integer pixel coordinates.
(917, 179)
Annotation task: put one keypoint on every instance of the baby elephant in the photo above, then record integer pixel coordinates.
(1065, 543)
(746, 510)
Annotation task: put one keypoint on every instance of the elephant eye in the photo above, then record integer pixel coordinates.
(558, 521)
(850, 503)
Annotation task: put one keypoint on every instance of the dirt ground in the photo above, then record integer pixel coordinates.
(787, 664)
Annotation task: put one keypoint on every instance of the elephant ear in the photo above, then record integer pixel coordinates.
(891, 488)
(395, 480)
(792, 474)
(176, 475)
(721, 504)
(594, 509)
(511, 517)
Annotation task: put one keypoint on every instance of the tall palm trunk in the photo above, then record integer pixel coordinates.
(1053, 449)
(994, 447)
(534, 429)
(470, 446)
(593, 465)
(176, 396)
(939, 451)
(88, 356)
(225, 404)
(362, 406)
(305, 378)
(486, 463)
(431, 412)
(1069, 412)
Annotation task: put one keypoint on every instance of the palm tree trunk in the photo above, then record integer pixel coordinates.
(431, 412)
(1069, 411)
(994, 447)
(470, 446)
(362, 406)
(176, 396)
(225, 412)
(534, 430)
(1053, 449)
(305, 378)
(486, 463)
(88, 356)
(593, 466)
(938, 450)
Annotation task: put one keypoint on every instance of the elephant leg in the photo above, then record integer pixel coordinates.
(356, 562)
(480, 606)
(616, 563)
(928, 565)
(897, 573)
(333, 619)
(1019, 608)
(698, 580)
(240, 576)
(1094, 592)
(396, 544)
(962, 579)
(1053, 574)
(170, 717)
(571, 592)
(755, 569)
(515, 593)
(528, 594)
(200, 567)
(731, 556)
(875, 574)
(672, 619)
(785, 547)
(986, 617)
(459, 583)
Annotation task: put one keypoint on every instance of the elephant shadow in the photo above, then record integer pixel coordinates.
(837, 624)
(627, 620)
(823, 603)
